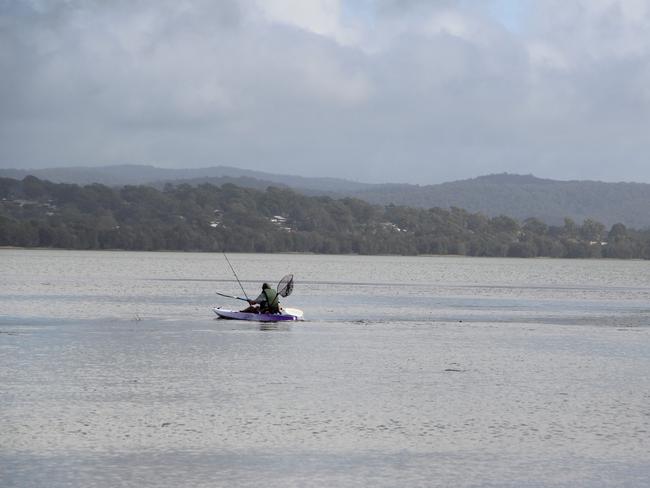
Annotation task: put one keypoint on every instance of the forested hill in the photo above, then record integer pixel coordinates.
(37, 213)
(523, 196)
(132, 174)
(519, 196)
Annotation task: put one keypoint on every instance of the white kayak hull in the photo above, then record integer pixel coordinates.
(285, 315)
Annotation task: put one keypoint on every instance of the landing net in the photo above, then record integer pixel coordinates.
(285, 287)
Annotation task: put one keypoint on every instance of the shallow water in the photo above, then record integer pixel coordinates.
(408, 371)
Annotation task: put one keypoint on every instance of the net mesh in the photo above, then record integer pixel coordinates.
(285, 286)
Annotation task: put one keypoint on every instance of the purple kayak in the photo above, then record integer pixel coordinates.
(286, 314)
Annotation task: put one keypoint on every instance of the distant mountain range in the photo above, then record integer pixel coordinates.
(150, 175)
(517, 196)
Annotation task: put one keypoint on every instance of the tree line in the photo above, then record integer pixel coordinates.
(39, 213)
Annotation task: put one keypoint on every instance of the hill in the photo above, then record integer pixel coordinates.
(518, 196)
(524, 196)
(130, 174)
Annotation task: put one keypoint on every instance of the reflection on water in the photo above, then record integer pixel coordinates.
(407, 372)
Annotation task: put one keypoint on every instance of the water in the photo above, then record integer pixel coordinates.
(408, 371)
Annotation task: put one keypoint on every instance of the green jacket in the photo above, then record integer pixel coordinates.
(268, 300)
(272, 300)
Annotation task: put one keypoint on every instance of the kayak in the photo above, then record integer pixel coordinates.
(286, 314)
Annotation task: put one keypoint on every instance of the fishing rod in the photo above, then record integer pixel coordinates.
(236, 277)
(231, 296)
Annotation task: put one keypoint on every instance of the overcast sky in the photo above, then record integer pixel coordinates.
(419, 91)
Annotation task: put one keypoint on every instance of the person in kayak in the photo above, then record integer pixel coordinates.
(267, 301)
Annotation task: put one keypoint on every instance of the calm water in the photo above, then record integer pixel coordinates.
(408, 372)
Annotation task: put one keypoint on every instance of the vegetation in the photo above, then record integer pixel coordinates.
(38, 213)
(518, 196)
(523, 196)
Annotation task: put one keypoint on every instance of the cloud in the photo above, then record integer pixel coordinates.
(374, 90)
(323, 17)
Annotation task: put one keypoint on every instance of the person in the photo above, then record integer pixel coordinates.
(266, 302)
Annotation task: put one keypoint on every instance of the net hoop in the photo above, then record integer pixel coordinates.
(285, 286)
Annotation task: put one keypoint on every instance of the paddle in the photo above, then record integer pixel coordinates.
(231, 296)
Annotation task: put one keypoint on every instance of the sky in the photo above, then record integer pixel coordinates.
(413, 91)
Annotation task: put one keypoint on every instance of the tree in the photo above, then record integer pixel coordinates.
(504, 224)
(522, 250)
(570, 229)
(592, 231)
(533, 226)
(33, 188)
(617, 233)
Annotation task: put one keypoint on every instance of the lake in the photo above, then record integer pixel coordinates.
(408, 371)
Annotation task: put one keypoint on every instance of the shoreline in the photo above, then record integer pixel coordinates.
(298, 253)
